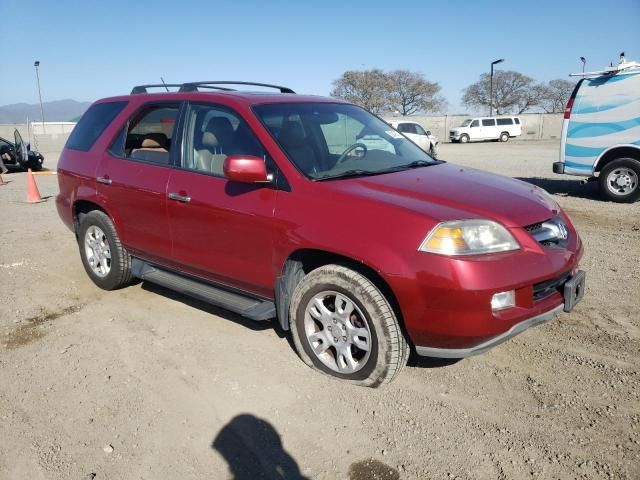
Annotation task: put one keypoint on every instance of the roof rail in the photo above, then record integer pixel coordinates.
(193, 86)
(143, 88)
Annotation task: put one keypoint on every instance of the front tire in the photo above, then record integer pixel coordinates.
(343, 326)
(620, 180)
(104, 258)
(464, 139)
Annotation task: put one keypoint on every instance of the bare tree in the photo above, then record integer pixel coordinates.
(368, 88)
(512, 91)
(410, 92)
(555, 95)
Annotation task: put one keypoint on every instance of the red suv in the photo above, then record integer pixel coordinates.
(317, 213)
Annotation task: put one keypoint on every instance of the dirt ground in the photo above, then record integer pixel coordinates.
(146, 384)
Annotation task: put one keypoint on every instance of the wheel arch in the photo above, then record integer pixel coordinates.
(303, 261)
(615, 152)
(82, 207)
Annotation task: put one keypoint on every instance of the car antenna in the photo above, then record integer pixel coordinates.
(165, 85)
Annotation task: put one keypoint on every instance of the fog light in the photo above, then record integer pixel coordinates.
(503, 300)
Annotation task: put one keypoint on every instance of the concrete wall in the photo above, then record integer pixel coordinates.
(535, 126)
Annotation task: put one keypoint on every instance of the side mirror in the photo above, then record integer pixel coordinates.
(245, 169)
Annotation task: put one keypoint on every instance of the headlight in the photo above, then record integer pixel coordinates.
(468, 237)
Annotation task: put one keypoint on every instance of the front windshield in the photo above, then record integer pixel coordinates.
(332, 140)
(466, 123)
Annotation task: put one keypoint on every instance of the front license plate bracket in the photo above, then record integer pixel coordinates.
(574, 290)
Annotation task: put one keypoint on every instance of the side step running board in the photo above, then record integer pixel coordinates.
(253, 308)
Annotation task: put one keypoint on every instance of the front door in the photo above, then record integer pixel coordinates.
(132, 180)
(21, 148)
(221, 230)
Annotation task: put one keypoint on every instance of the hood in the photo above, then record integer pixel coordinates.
(451, 192)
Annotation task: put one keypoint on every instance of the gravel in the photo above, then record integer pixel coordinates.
(186, 390)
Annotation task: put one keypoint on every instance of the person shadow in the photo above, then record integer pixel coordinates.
(253, 450)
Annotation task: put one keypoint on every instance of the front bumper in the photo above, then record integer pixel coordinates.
(489, 344)
(573, 291)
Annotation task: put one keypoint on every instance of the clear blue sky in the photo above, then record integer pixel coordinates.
(91, 49)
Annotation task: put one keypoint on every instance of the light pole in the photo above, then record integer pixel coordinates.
(491, 86)
(37, 66)
(584, 62)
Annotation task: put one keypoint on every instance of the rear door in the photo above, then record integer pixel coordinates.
(132, 180)
(221, 230)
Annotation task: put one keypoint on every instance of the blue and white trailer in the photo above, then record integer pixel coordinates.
(601, 131)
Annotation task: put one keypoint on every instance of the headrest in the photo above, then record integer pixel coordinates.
(221, 127)
(155, 140)
(292, 134)
(209, 140)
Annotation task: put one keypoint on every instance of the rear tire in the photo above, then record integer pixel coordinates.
(464, 138)
(620, 180)
(343, 326)
(504, 137)
(105, 260)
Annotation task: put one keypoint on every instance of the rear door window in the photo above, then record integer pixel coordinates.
(150, 134)
(488, 122)
(517, 121)
(92, 124)
(407, 128)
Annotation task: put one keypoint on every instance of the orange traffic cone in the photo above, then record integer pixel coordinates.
(33, 194)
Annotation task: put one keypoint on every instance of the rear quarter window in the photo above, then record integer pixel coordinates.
(92, 124)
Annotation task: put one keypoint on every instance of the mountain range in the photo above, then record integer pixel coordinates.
(56, 111)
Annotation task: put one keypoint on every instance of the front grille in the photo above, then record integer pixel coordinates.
(552, 233)
(549, 287)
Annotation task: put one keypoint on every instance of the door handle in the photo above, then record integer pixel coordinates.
(179, 198)
(106, 180)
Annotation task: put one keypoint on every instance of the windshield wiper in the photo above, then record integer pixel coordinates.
(348, 174)
(408, 166)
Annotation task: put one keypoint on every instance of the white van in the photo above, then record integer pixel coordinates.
(601, 131)
(486, 128)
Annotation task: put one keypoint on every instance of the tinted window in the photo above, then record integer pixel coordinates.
(505, 121)
(92, 124)
(212, 134)
(407, 128)
(475, 123)
(150, 134)
(488, 122)
(517, 121)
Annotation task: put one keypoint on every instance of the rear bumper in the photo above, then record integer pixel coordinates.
(489, 344)
(558, 167)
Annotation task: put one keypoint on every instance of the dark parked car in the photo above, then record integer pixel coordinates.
(269, 205)
(19, 155)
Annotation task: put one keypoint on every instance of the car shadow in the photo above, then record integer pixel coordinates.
(253, 449)
(567, 188)
(417, 361)
(414, 360)
(213, 310)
